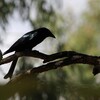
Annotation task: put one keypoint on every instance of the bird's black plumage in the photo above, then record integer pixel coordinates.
(27, 42)
(30, 40)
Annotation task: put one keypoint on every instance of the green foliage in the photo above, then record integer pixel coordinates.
(6, 9)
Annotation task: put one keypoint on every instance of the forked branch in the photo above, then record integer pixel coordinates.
(56, 60)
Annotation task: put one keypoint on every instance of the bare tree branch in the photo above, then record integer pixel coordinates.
(21, 54)
(11, 70)
(87, 59)
(53, 61)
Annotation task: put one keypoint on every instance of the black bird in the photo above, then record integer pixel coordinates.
(26, 43)
(30, 40)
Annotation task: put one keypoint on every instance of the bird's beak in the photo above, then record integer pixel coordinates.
(53, 36)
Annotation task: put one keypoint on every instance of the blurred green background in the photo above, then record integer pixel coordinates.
(80, 34)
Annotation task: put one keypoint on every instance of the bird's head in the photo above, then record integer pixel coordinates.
(46, 32)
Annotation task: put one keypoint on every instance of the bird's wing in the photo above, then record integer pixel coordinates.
(29, 35)
(22, 42)
(24, 39)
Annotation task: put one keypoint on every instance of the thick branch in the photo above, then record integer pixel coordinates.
(93, 60)
(55, 60)
(21, 54)
(67, 58)
(66, 61)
